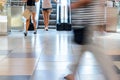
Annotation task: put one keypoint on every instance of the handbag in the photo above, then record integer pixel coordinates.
(1, 7)
(26, 14)
(80, 36)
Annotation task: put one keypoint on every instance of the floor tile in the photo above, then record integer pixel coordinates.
(23, 55)
(16, 77)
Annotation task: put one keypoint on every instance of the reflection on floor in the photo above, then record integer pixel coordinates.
(48, 54)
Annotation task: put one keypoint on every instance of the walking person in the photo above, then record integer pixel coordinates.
(46, 11)
(89, 23)
(32, 8)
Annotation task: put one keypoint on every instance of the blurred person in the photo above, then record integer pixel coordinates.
(32, 8)
(84, 36)
(46, 11)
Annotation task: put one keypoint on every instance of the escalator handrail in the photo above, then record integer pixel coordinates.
(69, 11)
(58, 13)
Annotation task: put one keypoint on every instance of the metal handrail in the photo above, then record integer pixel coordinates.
(58, 13)
(64, 12)
(69, 12)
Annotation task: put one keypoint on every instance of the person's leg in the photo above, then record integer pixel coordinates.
(45, 17)
(82, 34)
(74, 67)
(104, 61)
(27, 24)
(34, 21)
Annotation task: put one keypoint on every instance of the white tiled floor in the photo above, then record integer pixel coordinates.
(48, 54)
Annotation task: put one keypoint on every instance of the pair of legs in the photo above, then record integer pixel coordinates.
(103, 60)
(33, 14)
(46, 17)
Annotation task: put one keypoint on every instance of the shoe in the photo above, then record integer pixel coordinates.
(35, 32)
(46, 28)
(25, 33)
(69, 77)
